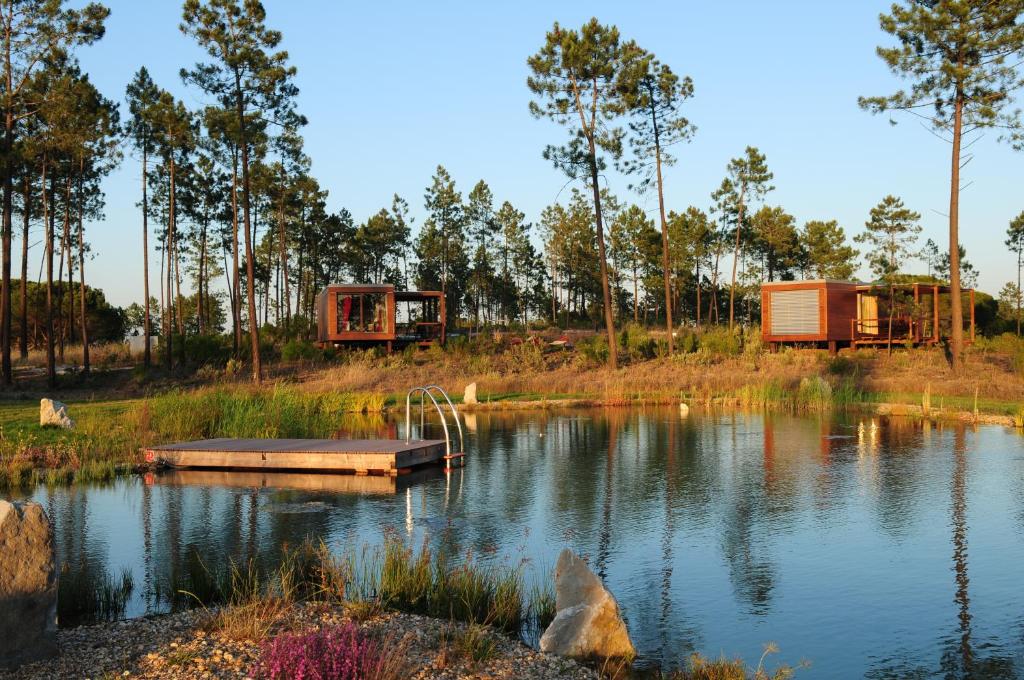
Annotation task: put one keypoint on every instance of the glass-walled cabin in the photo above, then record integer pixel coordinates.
(374, 314)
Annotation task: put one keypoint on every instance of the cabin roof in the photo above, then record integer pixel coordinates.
(361, 287)
(809, 282)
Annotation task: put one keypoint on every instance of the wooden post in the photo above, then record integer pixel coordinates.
(916, 327)
(972, 315)
(833, 348)
(935, 314)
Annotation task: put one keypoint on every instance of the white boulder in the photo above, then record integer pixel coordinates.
(53, 412)
(469, 397)
(587, 621)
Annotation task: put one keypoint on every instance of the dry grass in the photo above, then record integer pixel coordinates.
(697, 376)
(102, 355)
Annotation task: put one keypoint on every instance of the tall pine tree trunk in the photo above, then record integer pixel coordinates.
(735, 261)
(81, 272)
(147, 353)
(25, 219)
(250, 284)
(664, 229)
(7, 225)
(51, 363)
(609, 323)
(955, 303)
(169, 257)
(236, 286)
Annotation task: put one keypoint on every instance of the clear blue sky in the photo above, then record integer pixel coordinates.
(393, 89)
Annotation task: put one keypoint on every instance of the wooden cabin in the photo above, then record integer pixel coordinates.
(365, 315)
(838, 314)
(817, 312)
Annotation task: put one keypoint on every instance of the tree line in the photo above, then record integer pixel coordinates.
(238, 232)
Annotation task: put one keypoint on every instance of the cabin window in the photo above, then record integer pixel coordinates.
(362, 313)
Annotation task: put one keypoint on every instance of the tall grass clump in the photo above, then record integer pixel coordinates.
(814, 394)
(700, 667)
(247, 412)
(427, 583)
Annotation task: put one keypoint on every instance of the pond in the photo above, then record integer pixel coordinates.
(870, 547)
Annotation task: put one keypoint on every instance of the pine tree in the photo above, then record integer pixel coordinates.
(747, 179)
(574, 76)
(34, 33)
(654, 96)
(776, 240)
(962, 58)
(891, 233)
(253, 81)
(142, 95)
(825, 250)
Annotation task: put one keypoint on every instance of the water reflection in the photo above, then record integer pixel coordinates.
(717, 532)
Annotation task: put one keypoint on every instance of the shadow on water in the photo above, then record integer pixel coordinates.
(717, 532)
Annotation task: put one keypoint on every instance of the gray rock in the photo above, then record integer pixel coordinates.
(470, 395)
(587, 621)
(28, 585)
(53, 412)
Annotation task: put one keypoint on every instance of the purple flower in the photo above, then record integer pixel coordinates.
(331, 653)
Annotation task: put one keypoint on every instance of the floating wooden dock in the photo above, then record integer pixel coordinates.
(358, 456)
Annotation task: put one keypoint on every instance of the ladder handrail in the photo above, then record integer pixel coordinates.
(455, 415)
(408, 423)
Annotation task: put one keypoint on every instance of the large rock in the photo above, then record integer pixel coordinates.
(28, 585)
(53, 412)
(587, 621)
(469, 396)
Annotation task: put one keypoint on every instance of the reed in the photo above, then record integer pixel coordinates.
(85, 596)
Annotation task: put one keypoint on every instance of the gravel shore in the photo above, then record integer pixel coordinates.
(180, 646)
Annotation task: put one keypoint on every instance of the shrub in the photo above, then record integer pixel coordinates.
(207, 350)
(334, 653)
(636, 343)
(300, 350)
(840, 365)
(720, 340)
(593, 350)
(686, 341)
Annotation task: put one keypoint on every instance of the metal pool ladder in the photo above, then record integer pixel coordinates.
(427, 392)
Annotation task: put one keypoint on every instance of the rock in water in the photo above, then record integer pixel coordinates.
(587, 621)
(53, 412)
(28, 585)
(470, 395)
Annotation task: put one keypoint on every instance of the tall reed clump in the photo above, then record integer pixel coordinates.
(427, 583)
(700, 667)
(814, 394)
(85, 596)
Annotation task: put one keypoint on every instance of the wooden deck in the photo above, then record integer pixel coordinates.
(359, 456)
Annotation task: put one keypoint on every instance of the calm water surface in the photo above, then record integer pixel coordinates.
(870, 547)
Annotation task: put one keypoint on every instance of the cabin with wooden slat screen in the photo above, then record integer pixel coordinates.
(837, 314)
(350, 314)
(815, 311)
